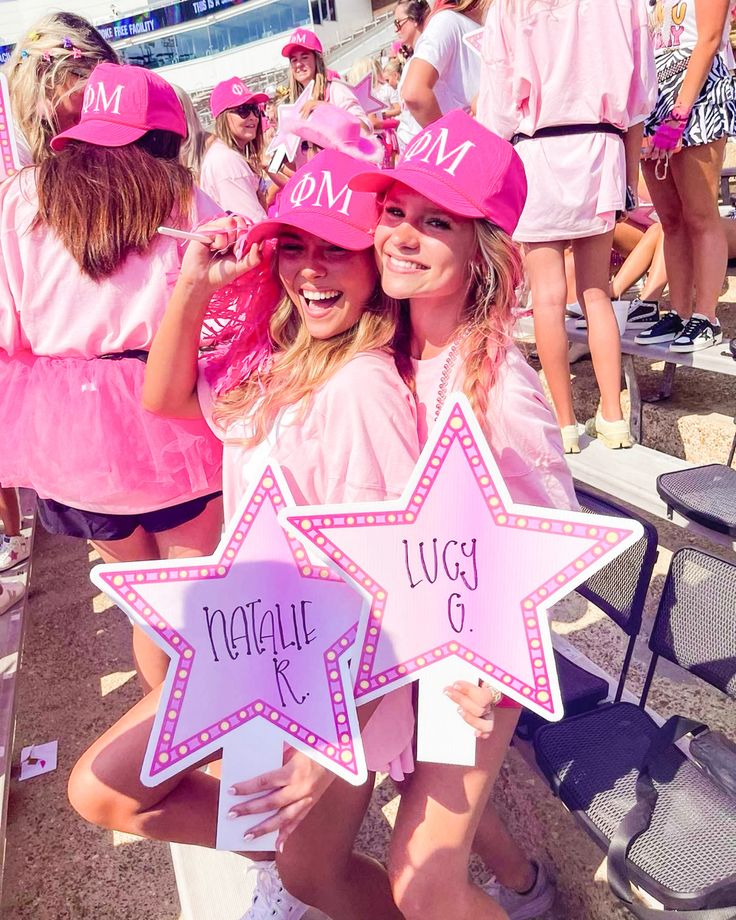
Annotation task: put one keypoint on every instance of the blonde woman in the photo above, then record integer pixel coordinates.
(232, 170)
(197, 141)
(47, 73)
(330, 406)
(444, 249)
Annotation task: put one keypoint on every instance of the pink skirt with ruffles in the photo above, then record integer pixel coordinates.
(75, 431)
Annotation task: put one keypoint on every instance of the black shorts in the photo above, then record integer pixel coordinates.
(92, 525)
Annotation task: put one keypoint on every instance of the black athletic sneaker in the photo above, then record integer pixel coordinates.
(666, 330)
(643, 314)
(698, 333)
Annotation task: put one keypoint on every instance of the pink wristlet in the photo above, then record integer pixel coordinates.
(668, 136)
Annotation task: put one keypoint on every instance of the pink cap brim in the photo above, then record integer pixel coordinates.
(332, 228)
(256, 98)
(432, 187)
(289, 49)
(100, 133)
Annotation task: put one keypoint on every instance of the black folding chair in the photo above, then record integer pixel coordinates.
(668, 827)
(704, 494)
(619, 590)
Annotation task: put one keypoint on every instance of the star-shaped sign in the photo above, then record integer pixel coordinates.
(456, 568)
(364, 93)
(259, 638)
(289, 115)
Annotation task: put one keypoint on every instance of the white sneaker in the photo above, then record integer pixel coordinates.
(10, 593)
(524, 906)
(13, 551)
(271, 901)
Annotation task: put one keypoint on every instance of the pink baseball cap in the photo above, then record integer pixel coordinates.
(121, 103)
(304, 40)
(461, 166)
(231, 93)
(318, 199)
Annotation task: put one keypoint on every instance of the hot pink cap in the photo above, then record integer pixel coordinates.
(318, 199)
(121, 103)
(231, 93)
(461, 166)
(302, 39)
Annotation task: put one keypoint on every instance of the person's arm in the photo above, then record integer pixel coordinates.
(418, 92)
(633, 139)
(170, 382)
(710, 17)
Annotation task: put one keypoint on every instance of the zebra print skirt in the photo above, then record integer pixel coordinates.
(714, 113)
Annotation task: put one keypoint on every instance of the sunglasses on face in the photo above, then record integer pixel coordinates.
(246, 109)
(399, 23)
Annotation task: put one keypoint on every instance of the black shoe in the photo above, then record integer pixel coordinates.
(699, 333)
(642, 314)
(666, 330)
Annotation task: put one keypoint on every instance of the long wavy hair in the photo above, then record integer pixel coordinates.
(495, 273)
(50, 63)
(105, 203)
(301, 364)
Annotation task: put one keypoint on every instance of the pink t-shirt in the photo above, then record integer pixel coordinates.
(525, 439)
(571, 62)
(356, 441)
(48, 307)
(228, 179)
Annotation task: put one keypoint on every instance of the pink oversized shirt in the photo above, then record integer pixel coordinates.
(525, 439)
(48, 307)
(356, 441)
(228, 179)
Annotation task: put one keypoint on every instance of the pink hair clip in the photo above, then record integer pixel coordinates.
(76, 54)
(47, 57)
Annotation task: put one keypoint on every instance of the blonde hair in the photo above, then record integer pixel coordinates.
(495, 274)
(192, 150)
(302, 364)
(43, 71)
(253, 151)
(362, 67)
(320, 81)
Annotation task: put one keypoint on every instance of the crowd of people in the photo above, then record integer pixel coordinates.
(360, 267)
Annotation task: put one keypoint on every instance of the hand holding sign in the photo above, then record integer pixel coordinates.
(259, 639)
(456, 570)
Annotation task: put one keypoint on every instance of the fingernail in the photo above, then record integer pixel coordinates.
(280, 847)
(233, 814)
(249, 837)
(460, 710)
(232, 791)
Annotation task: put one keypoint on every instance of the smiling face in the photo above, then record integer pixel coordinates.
(303, 65)
(423, 251)
(330, 286)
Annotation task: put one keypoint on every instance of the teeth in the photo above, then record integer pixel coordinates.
(320, 295)
(402, 263)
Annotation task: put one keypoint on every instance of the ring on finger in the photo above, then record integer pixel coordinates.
(496, 699)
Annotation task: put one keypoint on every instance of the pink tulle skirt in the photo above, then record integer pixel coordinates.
(75, 431)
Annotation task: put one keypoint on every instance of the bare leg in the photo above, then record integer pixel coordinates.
(657, 277)
(637, 263)
(501, 853)
(696, 172)
(545, 266)
(626, 237)
(591, 263)
(106, 789)
(150, 661)
(10, 511)
(320, 867)
(678, 248)
(435, 828)
(197, 537)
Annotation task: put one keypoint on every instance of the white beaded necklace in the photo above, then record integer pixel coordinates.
(447, 369)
